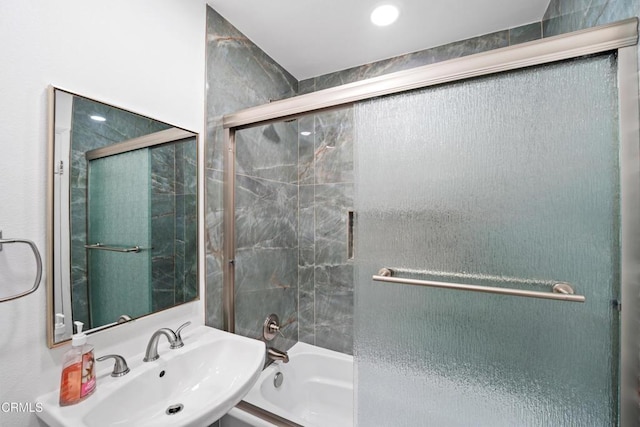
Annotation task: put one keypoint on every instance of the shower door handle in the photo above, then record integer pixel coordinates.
(101, 247)
(560, 291)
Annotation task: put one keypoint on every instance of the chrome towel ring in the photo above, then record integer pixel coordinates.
(36, 253)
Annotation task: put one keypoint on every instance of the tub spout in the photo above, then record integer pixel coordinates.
(275, 354)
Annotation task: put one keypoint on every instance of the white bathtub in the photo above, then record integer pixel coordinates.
(316, 391)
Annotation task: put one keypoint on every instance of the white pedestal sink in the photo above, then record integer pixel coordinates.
(191, 386)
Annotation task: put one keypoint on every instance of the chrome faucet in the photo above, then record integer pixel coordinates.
(175, 339)
(274, 354)
(152, 348)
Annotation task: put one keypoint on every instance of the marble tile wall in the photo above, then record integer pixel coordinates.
(266, 230)
(446, 52)
(326, 197)
(240, 75)
(563, 16)
(173, 224)
(163, 215)
(187, 222)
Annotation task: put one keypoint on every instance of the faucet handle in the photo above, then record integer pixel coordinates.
(120, 367)
(271, 327)
(178, 343)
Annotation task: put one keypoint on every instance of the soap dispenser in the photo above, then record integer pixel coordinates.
(60, 327)
(78, 378)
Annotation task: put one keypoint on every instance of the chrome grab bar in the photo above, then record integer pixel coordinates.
(36, 253)
(560, 291)
(103, 247)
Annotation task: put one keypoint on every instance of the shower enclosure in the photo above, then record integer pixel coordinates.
(494, 233)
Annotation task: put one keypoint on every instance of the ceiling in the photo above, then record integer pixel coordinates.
(314, 37)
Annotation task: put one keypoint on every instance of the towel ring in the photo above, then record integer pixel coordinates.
(36, 253)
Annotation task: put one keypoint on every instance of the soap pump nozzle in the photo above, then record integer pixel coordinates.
(79, 338)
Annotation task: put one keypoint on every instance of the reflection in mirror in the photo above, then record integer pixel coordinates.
(122, 215)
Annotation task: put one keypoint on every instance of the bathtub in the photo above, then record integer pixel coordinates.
(316, 391)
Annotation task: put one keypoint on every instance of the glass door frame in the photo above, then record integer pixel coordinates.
(621, 37)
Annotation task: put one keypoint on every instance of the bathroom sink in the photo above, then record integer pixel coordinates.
(191, 386)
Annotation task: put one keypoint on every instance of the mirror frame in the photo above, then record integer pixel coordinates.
(51, 220)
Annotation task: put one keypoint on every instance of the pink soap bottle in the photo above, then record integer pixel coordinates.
(78, 379)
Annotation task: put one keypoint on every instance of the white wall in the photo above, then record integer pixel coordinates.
(143, 55)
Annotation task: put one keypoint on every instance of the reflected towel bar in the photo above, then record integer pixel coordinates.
(36, 253)
(102, 247)
(561, 291)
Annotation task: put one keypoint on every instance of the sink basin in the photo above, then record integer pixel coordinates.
(191, 386)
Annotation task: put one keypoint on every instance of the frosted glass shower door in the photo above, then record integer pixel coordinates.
(510, 180)
(119, 216)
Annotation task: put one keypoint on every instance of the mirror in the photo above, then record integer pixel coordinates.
(122, 215)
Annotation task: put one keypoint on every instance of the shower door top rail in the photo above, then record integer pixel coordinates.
(565, 46)
(560, 291)
(157, 138)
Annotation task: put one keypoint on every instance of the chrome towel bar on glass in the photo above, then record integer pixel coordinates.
(560, 291)
(101, 247)
(36, 253)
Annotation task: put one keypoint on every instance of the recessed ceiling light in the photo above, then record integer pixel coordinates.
(305, 133)
(385, 15)
(97, 118)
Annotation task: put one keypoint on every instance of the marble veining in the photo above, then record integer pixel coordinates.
(333, 154)
(404, 62)
(525, 33)
(269, 152)
(240, 75)
(334, 307)
(564, 16)
(173, 224)
(325, 295)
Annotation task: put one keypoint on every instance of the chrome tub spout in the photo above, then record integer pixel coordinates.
(274, 354)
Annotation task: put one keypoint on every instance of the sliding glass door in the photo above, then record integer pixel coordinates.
(119, 218)
(512, 181)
